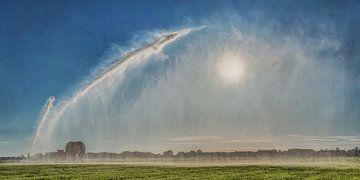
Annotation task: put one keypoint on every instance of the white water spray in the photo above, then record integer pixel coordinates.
(46, 110)
(134, 57)
(288, 87)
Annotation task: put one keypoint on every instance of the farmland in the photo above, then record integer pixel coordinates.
(121, 171)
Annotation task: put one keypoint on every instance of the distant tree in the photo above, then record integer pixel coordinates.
(181, 154)
(168, 153)
(75, 150)
(198, 151)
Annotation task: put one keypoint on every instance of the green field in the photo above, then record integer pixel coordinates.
(98, 171)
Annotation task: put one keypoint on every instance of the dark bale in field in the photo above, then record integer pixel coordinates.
(75, 150)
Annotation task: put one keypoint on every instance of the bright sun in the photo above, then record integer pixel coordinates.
(231, 68)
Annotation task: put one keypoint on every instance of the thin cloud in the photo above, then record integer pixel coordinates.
(338, 139)
(196, 138)
(4, 142)
(248, 141)
(320, 139)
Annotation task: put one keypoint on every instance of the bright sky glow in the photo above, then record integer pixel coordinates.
(231, 68)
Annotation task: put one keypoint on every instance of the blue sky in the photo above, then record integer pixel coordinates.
(47, 47)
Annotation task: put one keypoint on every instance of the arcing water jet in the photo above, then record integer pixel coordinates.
(146, 51)
(46, 110)
(120, 65)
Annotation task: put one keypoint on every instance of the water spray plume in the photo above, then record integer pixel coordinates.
(46, 110)
(152, 48)
(120, 65)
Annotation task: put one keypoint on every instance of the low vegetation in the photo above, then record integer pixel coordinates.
(97, 171)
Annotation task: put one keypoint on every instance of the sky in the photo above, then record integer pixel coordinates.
(49, 47)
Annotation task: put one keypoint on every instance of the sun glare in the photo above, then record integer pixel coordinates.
(231, 68)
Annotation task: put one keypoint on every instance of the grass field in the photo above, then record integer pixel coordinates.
(98, 171)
